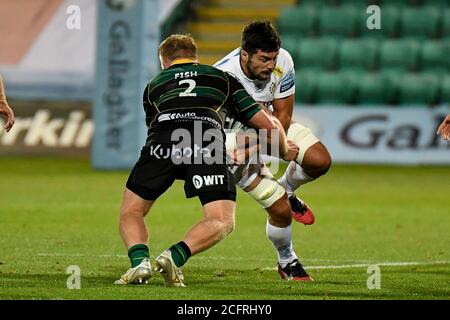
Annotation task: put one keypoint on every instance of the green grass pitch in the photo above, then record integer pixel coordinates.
(55, 213)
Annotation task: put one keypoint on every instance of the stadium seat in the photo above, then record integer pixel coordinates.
(399, 54)
(317, 3)
(358, 2)
(335, 88)
(436, 3)
(338, 21)
(417, 89)
(420, 22)
(290, 44)
(392, 79)
(371, 89)
(445, 90)
(390, 23)
(305, 86)
(435, 56)
(317, 53)
(299, 21)
(401, 3)
(358, 54)
(446, 24)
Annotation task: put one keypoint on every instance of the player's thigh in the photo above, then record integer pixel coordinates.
(151, 177)
(303, 137)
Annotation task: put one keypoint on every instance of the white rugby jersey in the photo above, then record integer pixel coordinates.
(281, 83)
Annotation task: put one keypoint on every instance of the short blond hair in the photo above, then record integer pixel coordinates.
(178, 46)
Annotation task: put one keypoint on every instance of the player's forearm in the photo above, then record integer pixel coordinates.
(284, 118)
(278, 135)
(275, 131)
(282, 138)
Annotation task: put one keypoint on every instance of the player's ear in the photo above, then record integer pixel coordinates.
(244, 55)
(161, 61)
(165, 63)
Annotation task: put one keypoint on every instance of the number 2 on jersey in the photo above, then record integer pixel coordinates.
(188, 91)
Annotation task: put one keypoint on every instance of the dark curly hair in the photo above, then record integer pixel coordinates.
(260, 35)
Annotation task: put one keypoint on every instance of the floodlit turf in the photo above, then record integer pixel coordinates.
(55, 213)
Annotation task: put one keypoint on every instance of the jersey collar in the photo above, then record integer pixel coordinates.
(182, 61)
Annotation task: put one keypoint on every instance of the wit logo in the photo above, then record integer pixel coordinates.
(172, 116)
(197, 181)
(211, 180)
(374, 280)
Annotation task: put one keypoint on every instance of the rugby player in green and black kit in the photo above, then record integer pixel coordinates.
(185, 108)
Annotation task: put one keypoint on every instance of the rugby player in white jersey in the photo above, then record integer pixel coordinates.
(267, 73)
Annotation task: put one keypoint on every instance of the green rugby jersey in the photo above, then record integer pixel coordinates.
(188, 92)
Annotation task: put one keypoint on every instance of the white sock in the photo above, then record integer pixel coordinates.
(293, 178)
(281, 239)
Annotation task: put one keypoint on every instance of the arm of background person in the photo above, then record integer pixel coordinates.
(5, 108)
(444, 128)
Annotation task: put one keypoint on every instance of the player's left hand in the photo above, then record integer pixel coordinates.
(292, 153)
(444, 128)
(7, 111)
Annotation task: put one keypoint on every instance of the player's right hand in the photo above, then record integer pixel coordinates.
(292, 152)
(7, 111)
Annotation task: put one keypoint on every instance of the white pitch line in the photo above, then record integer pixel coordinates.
(343, 266)
(81, 255)
(365, 265)
(197, 258)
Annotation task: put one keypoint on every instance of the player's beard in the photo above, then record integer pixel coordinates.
(255, 75)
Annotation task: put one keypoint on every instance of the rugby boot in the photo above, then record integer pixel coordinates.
(173, 276)
(300, 211)
(137, 275)
(294, 272)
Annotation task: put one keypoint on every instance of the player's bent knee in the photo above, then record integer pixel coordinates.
(267, 192)
(323, 164)
(317, 160)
